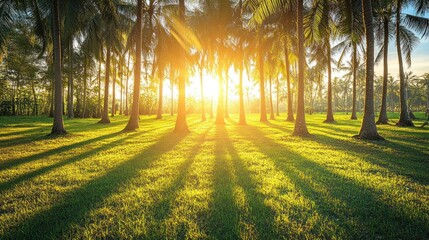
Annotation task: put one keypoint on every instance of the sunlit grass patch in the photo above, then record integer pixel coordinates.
(216, 182)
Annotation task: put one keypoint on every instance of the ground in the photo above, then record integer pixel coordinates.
(216, 182)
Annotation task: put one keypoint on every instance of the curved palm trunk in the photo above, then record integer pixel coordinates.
(330, 113)
(404, 118)
(220, 111)
(272, 117)
(290, 117)
(369, 129)
(161, 83)
(263, 117)
(133, 122)
(382, 118)
(300, 128)
(354, 69)
(242, 120)
(105, 115)
(203, 112)
(181, 125)
(70, 113)
(58, 125)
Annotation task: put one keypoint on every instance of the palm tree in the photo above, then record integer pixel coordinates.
(133, 122)
(300, 128)
(368, 130)
(181, 125)
(418, 24)
(260, 62)
(58, 126)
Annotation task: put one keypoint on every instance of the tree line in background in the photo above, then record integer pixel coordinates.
(71, 57)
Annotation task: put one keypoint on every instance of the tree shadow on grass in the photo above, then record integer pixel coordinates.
(10, 163)
(386, 154)
(162, 209)
(27, 176)
(362, 213)
(261, 215)
(223, 212)
(55, 221)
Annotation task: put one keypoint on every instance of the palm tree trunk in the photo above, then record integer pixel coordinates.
(99, 90)
(126, 86)
(369, 129)
(382, 118)
(58, 125)
(277, 95)
(226, 93)
(242, 120)
(70, 83)
(220, 111)
(272, 117)
(263, 117)
(161, 81)
(181, 125)
(354, 69)
(121, 76)
(172, 90)
(133, 122)
(113, 113)
(203, 113)
(85, 72)
(290, 117)
(105, 115)
(404, 118)
(300, 128)
(330, 113)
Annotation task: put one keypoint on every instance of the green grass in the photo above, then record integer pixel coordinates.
(216, 182)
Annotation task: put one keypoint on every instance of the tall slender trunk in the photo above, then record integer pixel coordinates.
(126, 86)
(105, 115)
(369, 129)
(133, 122)
(277, 96)
(172, 91)
(354, 69)
(85, 72)
(330, 113)
(121, 76)
(272, 117)
(300, 128)
(226, 92)
(404, 118)
(70, 109)
(220, 105)
(114, 88)
(290, 117)
(160, 88)
(263, 117)
(382, 118)
(58, 125)
(203, 113)
(181, 125)
(99, 90)
(242, 120)
(35, 107)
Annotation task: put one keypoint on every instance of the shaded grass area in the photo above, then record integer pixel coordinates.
(216, 182)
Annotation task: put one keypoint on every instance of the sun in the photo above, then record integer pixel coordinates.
(210, 86)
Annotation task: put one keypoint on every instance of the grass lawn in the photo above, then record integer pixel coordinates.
(216, 182)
